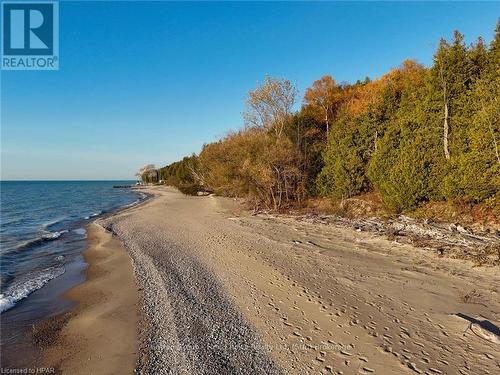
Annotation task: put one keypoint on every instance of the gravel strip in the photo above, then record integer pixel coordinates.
(190, 326)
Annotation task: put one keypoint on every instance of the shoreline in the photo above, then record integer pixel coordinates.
(62, 293)
(102, 329)
(285, 286)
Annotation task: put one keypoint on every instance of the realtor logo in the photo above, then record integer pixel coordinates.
(30, 35)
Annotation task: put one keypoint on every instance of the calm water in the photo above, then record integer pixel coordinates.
(42, 236)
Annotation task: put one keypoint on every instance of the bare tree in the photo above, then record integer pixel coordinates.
(147, 173)
(270, 105)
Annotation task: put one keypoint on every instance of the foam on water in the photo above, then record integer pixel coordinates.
(50, 223)
(49, 236)
(54, 235)
(42, 234)
(80, 231)
(131, 204)
(23, 287)
(93, 215)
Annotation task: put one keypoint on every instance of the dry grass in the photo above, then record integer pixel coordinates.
(361, 206)
(486, 214)
(473, 297)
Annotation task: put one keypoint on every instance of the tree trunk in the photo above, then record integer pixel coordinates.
(446, 131)
(446, 128)
(272, 197)
(490, 124)
(327, 126)
(494, 142)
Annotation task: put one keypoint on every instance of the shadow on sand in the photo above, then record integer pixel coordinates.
(484, 324)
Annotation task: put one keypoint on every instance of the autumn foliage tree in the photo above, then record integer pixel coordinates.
(253, 163)
(416, 134)
(325, 99)
(184, 174)
(270, 104)
(258, 162)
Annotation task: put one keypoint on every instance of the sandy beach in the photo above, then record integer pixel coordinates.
(192, 285)
(100, 335)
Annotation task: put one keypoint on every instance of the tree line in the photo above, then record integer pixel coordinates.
(414, 135)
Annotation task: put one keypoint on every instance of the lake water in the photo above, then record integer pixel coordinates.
(42, 236)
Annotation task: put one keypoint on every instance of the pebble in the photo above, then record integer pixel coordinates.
(435, 370)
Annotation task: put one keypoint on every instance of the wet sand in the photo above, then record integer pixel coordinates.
(100, 335)
(227, 292)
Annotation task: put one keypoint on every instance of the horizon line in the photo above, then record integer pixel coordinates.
(71, 179)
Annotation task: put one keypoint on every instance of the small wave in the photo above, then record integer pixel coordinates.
(93, 215)
(54, 235)
(80, 231)
(48, 224)
(43, 238)
(131, 204)
(26, 285)
(29, 243)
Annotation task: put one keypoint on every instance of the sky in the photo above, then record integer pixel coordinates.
(151, 82)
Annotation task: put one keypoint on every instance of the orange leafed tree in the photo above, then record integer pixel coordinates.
(358, 97)
(324, 98)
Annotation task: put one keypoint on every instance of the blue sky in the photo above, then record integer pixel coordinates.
(151, 82)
